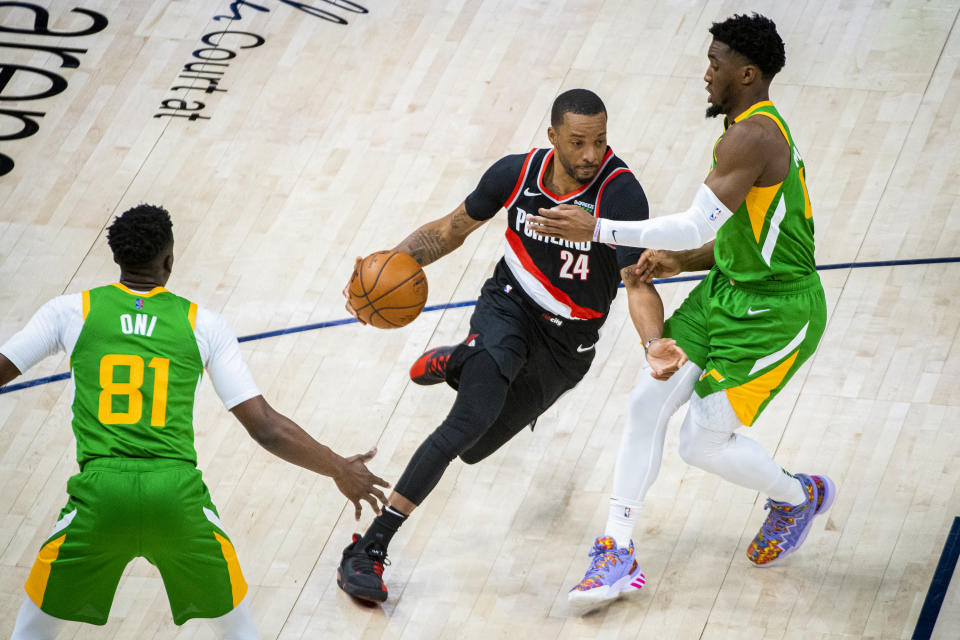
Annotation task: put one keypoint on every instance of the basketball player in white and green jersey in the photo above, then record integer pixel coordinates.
(137, 354)
(746, 329)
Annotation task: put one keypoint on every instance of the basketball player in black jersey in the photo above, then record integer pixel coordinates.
(533, 332)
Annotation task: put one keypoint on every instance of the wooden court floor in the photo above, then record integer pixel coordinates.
(324, 129)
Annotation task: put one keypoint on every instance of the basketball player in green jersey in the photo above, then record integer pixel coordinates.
(746, 328)
(137, 353)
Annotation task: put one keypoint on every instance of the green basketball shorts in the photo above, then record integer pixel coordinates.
(749, 339)
(121, 508)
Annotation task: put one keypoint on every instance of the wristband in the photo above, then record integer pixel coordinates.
(646, 345)
(596, 231)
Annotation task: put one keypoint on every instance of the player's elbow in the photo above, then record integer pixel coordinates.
(265, 434)
(260, 420)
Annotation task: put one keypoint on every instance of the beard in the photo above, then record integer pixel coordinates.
(713, 111)
(586, 180)
(574, 173)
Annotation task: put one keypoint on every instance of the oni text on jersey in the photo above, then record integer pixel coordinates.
(141, 325)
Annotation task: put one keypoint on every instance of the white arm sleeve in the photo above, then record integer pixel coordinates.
(220, 353)
(688, 230)
(54, 327)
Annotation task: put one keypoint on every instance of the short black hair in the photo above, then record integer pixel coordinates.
(754, 37)
(581, 101)
(140, 234)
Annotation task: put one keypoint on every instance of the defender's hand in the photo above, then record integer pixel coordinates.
(566, 221)
(357, 483)
(657, 263)
(346, 291)
(665, 358)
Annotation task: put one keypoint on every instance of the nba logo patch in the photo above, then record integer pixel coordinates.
(626, 512)
(714, 214)
(139, 303)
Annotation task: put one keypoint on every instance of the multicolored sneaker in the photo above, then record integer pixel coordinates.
(787, 525)
(360, 573)
(612, 571)
(431, 367)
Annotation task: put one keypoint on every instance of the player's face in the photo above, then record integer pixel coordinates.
(720, 78)
(580, 143)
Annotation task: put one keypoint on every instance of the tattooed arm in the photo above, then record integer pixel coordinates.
(431, 242)
(436, 239)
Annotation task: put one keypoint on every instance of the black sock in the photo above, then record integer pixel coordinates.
(383, 527)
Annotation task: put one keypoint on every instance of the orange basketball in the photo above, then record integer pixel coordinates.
(388, 290)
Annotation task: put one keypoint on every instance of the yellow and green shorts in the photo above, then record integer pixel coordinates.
(749, 339)
(121, 508)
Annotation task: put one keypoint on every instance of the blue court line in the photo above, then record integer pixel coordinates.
(939, 584)
(469, 303)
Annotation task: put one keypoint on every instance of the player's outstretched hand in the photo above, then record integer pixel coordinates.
(655, 263)
(357, 483)
(665, 358)
(346, 291)
(567, 221)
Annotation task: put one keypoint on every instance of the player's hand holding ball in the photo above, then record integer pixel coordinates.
(387, 290)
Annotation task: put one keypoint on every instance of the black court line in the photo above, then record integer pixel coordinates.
(939, 584)
(469, 303)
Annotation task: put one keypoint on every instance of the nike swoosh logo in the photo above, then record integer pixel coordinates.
(530, 194)
(613, 232)
(581, 348)
(753, 312)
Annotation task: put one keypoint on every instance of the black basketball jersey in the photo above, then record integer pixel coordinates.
(571, 279)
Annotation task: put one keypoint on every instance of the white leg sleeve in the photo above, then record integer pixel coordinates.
(708, 441)
(652, 403)
(34, 624)
(236, 625)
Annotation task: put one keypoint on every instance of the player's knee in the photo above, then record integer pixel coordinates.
(645, 404)
(707, 431)
(472, 456)
(698, 444)
(447, 442)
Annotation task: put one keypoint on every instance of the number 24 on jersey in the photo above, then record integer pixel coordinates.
(572, 267)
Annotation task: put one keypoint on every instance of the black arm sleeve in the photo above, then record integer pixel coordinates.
(495, 187)
(624, 199)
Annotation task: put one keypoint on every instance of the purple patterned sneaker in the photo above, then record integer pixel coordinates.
(612, 571)
(787, 525)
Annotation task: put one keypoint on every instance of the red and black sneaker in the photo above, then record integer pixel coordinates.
(431, 367)
(360, 573)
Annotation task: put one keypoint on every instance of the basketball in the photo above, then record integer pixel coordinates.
(388, 290)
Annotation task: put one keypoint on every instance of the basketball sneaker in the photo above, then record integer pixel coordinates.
(787, 525)
(360, 573)
(612, 571)
(431, 367)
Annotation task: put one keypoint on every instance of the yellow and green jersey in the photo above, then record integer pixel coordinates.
(770, 236)
(136, 367)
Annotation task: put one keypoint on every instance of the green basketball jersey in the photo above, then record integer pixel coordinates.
(770, 236)
(136, 367)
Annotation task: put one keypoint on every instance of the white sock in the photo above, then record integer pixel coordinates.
(236, 625)
(787, 489)
(621, 520)
(34, 624)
